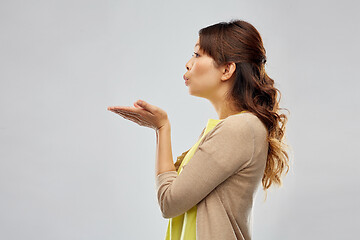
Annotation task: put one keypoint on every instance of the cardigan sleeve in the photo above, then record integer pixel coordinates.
(224, 150)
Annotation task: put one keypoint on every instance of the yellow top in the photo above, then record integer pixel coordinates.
(183, 227)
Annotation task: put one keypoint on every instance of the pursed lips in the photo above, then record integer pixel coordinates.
(186, 80)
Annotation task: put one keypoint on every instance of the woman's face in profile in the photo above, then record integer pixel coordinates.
(203, 77)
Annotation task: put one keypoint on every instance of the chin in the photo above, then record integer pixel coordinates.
(195, 94)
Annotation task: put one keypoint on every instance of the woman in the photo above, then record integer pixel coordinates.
(208, 193)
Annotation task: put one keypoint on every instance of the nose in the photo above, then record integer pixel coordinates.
(187, 65)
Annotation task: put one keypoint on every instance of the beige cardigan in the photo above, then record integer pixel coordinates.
(221, 178)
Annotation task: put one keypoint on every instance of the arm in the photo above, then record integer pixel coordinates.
(225, 150)
(164, 159)
(164, 151)
(148, 115)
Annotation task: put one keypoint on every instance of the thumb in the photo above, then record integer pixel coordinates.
(140, 103)
(137, 105)
(145, 105)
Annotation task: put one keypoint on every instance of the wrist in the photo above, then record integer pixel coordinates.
(164, 127)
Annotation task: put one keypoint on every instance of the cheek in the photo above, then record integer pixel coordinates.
(204, 73)
(201, 70)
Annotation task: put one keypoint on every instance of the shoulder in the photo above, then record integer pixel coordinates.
(244, 123)
(247, 118)
(239, 127)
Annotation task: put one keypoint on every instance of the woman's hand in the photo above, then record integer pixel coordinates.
(144, 114)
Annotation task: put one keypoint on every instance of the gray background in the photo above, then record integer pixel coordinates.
(70, 169)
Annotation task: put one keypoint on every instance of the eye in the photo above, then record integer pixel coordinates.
(196, 54)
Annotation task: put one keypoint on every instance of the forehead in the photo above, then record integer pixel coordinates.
(197, 44)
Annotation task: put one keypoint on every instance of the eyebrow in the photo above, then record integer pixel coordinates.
(197, 45)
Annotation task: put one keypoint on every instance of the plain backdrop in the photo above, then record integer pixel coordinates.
(70, 169)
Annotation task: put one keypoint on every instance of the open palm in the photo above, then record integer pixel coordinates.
(143, 113)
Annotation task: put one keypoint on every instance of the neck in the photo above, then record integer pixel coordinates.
(224, 109)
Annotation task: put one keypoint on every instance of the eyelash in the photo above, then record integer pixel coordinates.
(197, 55)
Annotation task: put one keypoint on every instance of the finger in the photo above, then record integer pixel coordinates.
(134, 110)
(131, 116)
(121, 108)
(135, 119)
(146, 106)
(124, 109)
(115, 107)
(134, 116)
(137, 105)
(132, 113)
(126, 113)
(142, 113)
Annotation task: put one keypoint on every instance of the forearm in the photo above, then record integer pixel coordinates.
(164, 159)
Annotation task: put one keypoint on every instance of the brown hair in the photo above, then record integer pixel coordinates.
(253, 90)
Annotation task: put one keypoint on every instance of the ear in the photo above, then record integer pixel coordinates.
(228, 71)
